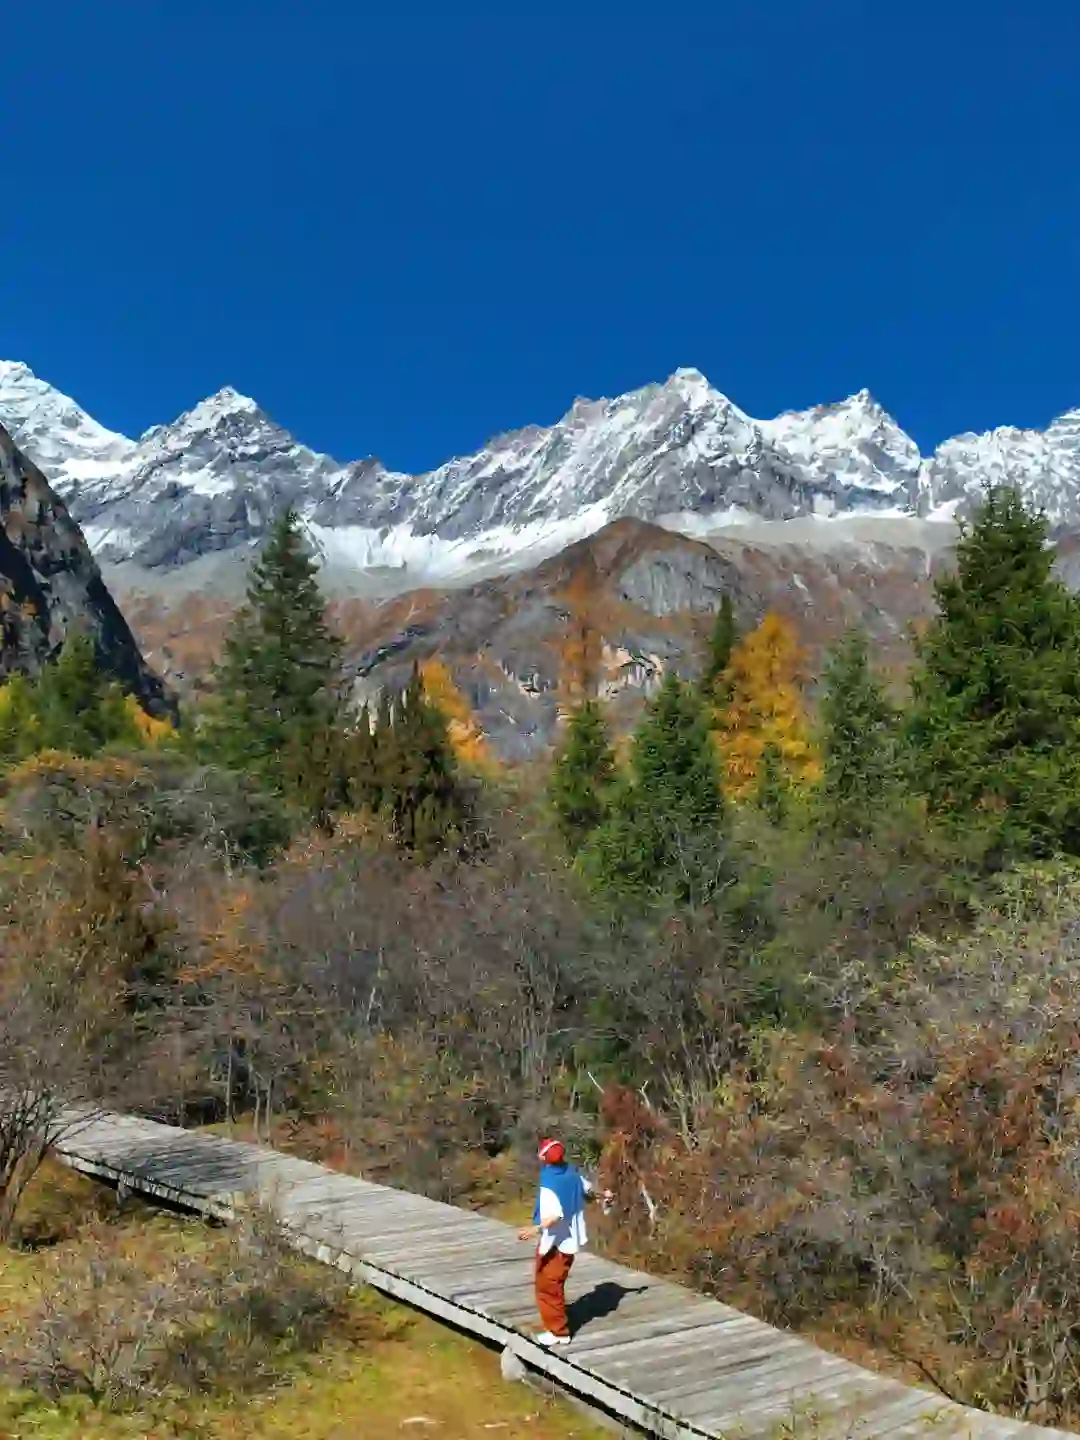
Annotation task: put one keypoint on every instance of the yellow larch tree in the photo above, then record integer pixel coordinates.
(151, 731)
(580, 645)
(766, 709)
(466, 734)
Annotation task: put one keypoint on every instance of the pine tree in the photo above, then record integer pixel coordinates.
(387, 773)
(765, 707)
(995, 720)
(665, 839)
(19, 721)
(78, 708)
(72, 706)
(772, 795)
(361, 765)
(580, 788)
(859, 741)
(420, 790)
(722, 642)
(277, 702)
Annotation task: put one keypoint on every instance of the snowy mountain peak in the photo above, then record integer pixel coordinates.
(692, 383)
(679, 453)
(66, 442)
(227, 405)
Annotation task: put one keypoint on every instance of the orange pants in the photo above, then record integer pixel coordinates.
(551, 1272)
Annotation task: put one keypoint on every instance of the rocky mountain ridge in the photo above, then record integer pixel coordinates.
(680, 455)
(51, 587)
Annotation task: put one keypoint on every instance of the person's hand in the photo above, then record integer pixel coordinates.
(529, 1232)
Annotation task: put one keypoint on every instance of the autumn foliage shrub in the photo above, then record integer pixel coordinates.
(915, 1183)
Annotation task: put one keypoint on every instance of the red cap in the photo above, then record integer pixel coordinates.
(553, 1151)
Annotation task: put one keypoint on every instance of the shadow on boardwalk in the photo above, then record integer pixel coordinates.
(671, 1362)
(603, 1299)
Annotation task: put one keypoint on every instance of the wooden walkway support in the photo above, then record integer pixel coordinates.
(671, 1363)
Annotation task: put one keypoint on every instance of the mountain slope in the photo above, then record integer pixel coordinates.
(50, 584)
(615, 611)
(678, 454)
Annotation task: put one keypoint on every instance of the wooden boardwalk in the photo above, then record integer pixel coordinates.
(648, 1352)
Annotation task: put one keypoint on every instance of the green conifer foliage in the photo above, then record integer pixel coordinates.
(19, 721)
(581, 782)
(70, 706)
(859, 741)
(361, 764)
(277, 704)
(407, 771)
(995, 719)
(722, 641)
(665, 840)
(773, 791)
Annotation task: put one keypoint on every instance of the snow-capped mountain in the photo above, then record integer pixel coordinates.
(1043, 464)
(58, 435)
(680, 454)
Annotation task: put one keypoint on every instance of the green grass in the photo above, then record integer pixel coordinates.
(386, 1372)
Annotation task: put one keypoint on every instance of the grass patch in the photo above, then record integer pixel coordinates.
(378, 1370)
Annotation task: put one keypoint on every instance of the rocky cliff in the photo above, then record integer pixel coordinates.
(50, 585)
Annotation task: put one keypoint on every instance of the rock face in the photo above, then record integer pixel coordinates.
(616, 611)
(50, 585)
(679, 454)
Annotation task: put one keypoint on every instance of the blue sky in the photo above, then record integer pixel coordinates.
(404, 227)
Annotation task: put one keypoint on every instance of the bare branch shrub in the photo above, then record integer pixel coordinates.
(82, 954)
(121, 1323)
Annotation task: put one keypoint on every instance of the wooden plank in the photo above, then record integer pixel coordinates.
(694, 1388)
(677, 1365)
(601, 1336)
(640, 1344)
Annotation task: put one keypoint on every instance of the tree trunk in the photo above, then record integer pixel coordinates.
(22, 1172)
(229, 1087)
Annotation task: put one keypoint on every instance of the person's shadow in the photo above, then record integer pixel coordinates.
(603, 1299)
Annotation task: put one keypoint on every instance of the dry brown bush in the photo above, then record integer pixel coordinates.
(919, 1183)
(123, 1323)
(83, 955)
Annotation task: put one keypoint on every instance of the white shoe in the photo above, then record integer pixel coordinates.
(547, 1338)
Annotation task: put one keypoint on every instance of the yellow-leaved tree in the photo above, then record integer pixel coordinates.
(466, 734)
(764, 720)
(151, 731)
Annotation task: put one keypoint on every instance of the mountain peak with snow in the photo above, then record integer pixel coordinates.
(226, 404)
(679, 453)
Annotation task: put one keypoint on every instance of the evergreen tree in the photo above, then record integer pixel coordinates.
(419, 788)
(277, 704)
(580, 788)
(75, 706)
(361, 763)
(773, 793)
(665, 839)
(385, 759)
(722, 642)
(859, 741)
(72, 706)
(19, 721)
(995, 719)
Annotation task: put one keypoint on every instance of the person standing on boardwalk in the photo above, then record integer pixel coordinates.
(559, 1229)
